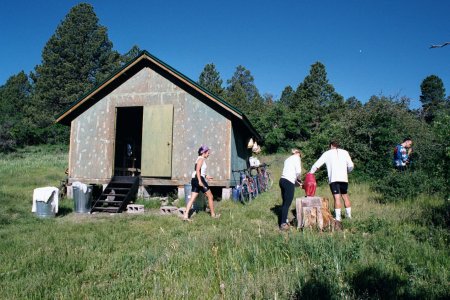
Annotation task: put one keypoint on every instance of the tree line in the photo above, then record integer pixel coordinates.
(79, 55)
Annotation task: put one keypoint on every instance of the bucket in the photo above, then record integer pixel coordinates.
(44, 209)
(82, 201)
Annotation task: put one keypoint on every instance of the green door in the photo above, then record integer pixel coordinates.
(157, 127)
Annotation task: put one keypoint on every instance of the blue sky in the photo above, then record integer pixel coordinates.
(368, 47)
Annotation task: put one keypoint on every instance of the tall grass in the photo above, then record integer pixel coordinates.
(386, 251)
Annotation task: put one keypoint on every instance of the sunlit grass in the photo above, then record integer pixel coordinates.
(385, 251)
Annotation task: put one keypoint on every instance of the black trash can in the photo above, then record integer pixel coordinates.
(82, 200)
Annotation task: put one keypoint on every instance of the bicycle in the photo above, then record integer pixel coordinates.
(245, 187)
(257, 179)
(253, 182)
(267, 181)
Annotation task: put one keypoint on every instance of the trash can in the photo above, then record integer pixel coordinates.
(44, 209)
(82, 200)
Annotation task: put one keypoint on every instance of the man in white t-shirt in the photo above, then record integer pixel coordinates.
(339, 164)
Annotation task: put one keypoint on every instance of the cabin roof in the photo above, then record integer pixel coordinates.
(145, 59)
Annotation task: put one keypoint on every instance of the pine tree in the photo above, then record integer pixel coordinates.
(14, 100)
(315, 99)
(432, 97)
(75, 59)
(242, 92)
(287, 96)
(130, 55)
(210, 79)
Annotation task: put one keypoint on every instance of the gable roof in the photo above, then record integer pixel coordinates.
(145, 59)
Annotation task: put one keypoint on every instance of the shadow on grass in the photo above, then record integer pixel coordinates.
(64, 211)
(315, 288)
(373, 282)
(276, 210)
(369, 283)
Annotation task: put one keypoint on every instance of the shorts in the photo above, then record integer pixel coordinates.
(196, 188)
(339, 187)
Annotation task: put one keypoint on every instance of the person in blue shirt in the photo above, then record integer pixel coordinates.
(402, 154)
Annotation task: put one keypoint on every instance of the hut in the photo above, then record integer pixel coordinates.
(148, 120)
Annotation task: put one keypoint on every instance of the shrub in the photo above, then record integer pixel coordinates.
(396, 186)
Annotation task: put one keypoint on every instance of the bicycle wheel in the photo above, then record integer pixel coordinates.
(245, 194)
(254, 186)
(262, 183)
(269, 181)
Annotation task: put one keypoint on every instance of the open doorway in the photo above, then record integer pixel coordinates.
(127, 158)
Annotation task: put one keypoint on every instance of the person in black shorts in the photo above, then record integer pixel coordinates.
(199, 183)
(339, 164)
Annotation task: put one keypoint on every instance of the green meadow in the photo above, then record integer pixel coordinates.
(386, 251)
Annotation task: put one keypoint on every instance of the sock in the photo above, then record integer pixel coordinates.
(348, 212)
(337, 212)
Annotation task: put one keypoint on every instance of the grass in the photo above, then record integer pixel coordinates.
(386, 251)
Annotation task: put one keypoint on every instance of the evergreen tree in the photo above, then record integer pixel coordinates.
(278, 125)
(316, 99)
(353, 103)
(241, 90)
(287, 97)
(76, 58)
(130, 55)
(210, 79)
(432, 97)
(14, 100)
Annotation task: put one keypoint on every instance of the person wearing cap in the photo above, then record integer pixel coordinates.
(339, 164)
(289, 179)
(199, 182)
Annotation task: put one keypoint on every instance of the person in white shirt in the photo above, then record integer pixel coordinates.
(199, 183)
(289, 178)
(339, 164)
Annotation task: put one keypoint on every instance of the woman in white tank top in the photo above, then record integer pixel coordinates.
(199, 183)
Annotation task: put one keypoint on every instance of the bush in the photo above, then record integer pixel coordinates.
(397, 186)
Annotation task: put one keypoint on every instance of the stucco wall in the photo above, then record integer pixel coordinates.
(195, 123)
